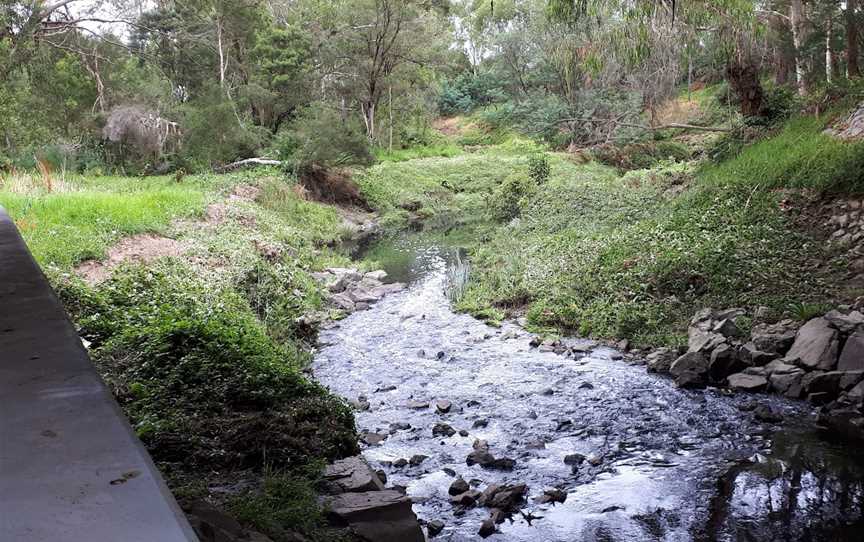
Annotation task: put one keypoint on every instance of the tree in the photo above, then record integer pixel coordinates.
(852, 69)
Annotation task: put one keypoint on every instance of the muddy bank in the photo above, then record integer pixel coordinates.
(442, 396)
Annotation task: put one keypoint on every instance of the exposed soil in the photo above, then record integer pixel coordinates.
(332, 186)
(143, 248)
(448, 126)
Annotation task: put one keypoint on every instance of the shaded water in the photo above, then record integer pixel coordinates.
(670, 464)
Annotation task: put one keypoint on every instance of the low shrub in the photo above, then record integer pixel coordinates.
(642, 155)
(538, 168)
(201, 382)
(508, 199)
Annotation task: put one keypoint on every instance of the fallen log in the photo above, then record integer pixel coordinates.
(647, 127)
(248, 162)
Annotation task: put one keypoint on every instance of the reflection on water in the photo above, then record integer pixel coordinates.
(669, 464)
(806, 488)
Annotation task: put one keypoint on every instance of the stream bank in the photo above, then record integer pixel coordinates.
(441, 397)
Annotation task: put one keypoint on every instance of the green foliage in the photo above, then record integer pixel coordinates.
(467, 92)
(536, 116)
(67, 227)
(511, 196)
(803, 311)
(446, 150)
(286, 503)
(236, 138)
(320, 136)
(781, 102)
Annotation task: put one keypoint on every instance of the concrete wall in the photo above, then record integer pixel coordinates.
(71, 469)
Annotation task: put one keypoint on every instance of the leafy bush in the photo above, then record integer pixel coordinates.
(321, 137)
(537, 116)
(507, 200)
(235, 138)
(538, 168)
(467, 92)
(781, 102)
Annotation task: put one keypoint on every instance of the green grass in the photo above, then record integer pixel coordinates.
(447, 149)
(65, 228)
(799, 156)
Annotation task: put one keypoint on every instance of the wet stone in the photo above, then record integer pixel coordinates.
(574, 459)
(434, 528)
(458, 487)
(417, 459)
(443, 406)
(443, 430)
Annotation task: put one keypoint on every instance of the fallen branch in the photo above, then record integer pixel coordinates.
(246, 163)
(649, 128)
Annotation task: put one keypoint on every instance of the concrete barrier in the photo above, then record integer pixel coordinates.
(71, 468)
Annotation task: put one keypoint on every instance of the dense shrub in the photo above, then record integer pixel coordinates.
(537, 116)
(509, 198)
(641, 155)
(538, 167)
(320, 136)
(214, 134)
(467, 92)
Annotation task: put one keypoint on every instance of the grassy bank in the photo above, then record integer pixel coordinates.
(204, 350)
(632, 255)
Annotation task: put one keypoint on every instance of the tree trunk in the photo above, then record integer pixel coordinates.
(783, 64)
(368, 109)
(796, 16)
(851, 39)
(744, 81)
(829, 50)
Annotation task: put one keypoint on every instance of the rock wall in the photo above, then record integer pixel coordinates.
(821, 361)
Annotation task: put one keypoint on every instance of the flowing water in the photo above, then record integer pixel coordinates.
(663, 463)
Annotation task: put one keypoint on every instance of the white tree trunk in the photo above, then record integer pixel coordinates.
(796, 16)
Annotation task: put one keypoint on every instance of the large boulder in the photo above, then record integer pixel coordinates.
(747, 382)
(691, 369)
(660, 360)
(352, 474)
(828, 382)
(845, 323)
(750, 353)
(773, 338)
(787, 383)
(847, 422)
(376, 516)
(724, 360)
(815, 346)
(852, 357)
(703, 341)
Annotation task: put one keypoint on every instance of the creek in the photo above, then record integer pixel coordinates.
(661, 463)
